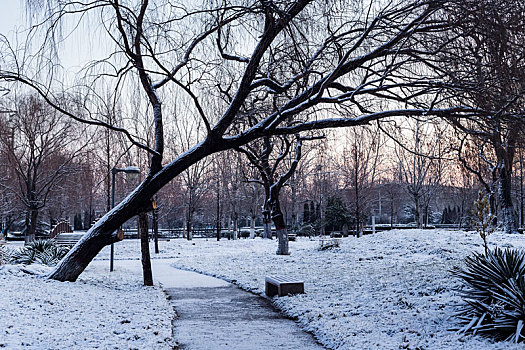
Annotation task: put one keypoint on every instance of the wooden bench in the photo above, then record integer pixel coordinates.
(292, 237)
(282, 286)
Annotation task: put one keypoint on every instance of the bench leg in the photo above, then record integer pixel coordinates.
(271, 289)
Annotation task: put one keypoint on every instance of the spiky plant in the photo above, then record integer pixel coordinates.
(494, 295)
(41, 252)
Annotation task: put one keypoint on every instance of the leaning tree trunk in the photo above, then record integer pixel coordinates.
(104, 232)
(144, 249)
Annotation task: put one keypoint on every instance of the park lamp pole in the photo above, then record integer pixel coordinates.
(114, 171)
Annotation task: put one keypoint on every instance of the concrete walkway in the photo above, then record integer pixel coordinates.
(213, 314)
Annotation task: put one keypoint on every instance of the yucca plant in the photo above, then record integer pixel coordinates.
(494, 294)
(41, 252)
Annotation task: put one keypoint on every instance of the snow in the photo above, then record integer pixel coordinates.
(165, 275)
(99, 311)
(384, 291)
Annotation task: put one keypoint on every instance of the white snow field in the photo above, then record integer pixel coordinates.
(391, 290)
(99, 311)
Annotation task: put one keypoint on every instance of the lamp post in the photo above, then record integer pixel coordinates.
(114, 171)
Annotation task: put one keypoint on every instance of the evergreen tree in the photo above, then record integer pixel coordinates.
(306, 213)
(77, 222)
(336, 214)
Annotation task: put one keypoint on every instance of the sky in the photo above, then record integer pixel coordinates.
(76, 49)
(11, 15)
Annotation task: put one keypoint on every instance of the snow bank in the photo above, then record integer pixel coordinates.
(385, 291)
(99, 311)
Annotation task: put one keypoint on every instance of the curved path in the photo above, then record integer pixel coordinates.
(213, 314)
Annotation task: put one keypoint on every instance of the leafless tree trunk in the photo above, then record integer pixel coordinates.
(144, 248)
(155, 224)
(360, 166)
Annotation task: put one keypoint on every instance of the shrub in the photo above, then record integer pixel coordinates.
(494, 295)
(307, 230)
(44, 252)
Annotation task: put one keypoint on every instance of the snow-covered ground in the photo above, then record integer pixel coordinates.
(390, 290)
(385, 291)
(99, 311)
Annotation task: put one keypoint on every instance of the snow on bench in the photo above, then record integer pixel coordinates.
(282, 285)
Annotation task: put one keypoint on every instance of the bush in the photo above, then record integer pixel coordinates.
(44, 252)
(308, 230)
(244, 233)
(494, 295)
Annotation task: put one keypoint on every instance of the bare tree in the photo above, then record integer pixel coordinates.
(360, 167)
(36, 149)
(10, 206)
(343, 57)
(252, 191)
(421, 166)
(273, 177)
(484, 67)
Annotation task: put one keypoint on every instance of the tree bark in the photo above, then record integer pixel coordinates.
(252, 226)
(280, 225)
(505, 199)
(155, 218)
(218, 219)
(189, 224)
(293, 202)
(521, 188)
(144, 249)
(31, 226)
(235, 218)
(230, 227)
(267, 223)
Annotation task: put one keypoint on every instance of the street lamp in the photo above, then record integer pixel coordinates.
(114, 171)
